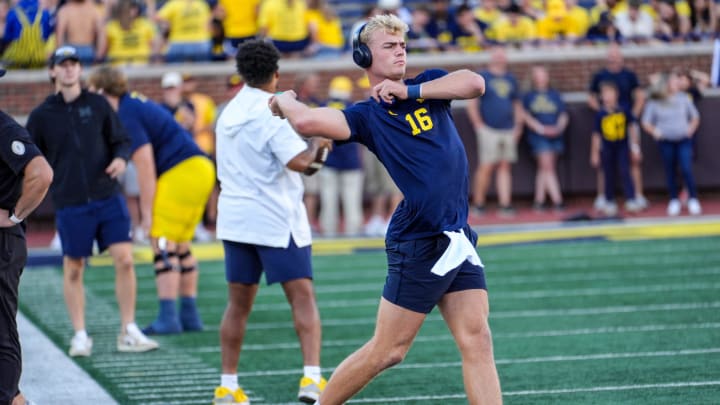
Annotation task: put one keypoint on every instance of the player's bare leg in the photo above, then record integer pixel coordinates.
(466, 313)
(394, 332)
(234, 322)
(125, 281)
(74, 291)
(306, 317)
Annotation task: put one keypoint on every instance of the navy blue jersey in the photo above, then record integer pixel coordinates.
(148, 122)
(626, 81)
(613, 125)
(416, 140)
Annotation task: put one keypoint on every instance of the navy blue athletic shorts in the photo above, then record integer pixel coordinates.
(245, 263)
(106, 221)
(409, 282)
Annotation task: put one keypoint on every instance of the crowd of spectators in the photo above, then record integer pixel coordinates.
(154, 31)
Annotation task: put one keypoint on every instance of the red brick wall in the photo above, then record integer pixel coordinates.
(570, 70)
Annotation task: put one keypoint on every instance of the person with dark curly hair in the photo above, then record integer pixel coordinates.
(262, 220)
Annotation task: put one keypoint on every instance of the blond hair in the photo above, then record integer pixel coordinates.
(389, 23)
(110, 80)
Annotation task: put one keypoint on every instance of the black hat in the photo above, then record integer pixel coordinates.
(64, 53)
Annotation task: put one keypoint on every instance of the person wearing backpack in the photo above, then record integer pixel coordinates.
(27, 28)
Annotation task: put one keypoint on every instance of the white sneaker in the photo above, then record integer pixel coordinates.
(673, 208)
(133, 340)
(600, 203)
(694, 207)
(55, 243)
(610, 209)
(641, 201)
(80, 346)
(375, 226)
(633, 206)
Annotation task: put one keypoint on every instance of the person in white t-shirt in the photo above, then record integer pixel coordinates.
(262, 220)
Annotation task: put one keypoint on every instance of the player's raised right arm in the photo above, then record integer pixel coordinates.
(326, 122)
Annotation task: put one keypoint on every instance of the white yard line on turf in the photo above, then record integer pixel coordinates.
(50, 377)
(326, 344)
(528, 360)
(435, 398)
(329, 322)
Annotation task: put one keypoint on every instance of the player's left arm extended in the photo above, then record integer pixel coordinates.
(458, 85)
(324, 121)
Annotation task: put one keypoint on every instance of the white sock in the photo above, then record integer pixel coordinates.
(81, 334)
(229, 381)
(312, 372)
(132, 326)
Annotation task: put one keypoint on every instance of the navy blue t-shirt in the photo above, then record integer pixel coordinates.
(416, 140)
(625, 80)
(496, 105)
(148, 122)
(544, 106)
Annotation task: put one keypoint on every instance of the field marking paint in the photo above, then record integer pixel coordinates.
(612, 388)
(527, 360)
(615, 388)
(504, 314)
(326, 344)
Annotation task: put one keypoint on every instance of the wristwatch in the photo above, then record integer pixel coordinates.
(15, 220)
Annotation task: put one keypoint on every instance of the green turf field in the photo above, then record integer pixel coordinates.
(578, 322)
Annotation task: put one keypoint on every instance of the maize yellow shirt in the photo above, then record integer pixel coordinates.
(240, 18)
(282, 21)
(130, 46)
(189, 20)
(571, 25)
(329, 32)
(487, 16)
(205, 115)
(504, 31)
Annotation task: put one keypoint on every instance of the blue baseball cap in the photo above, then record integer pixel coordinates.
(64, 53)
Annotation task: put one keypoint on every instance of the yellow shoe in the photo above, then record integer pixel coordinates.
(310, 390)
(223, 396)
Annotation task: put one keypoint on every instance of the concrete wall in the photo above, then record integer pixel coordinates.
(570, 68)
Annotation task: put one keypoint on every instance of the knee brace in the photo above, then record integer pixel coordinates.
(183, 256)
(162, 262)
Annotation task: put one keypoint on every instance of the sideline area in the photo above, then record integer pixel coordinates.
(49, 376)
